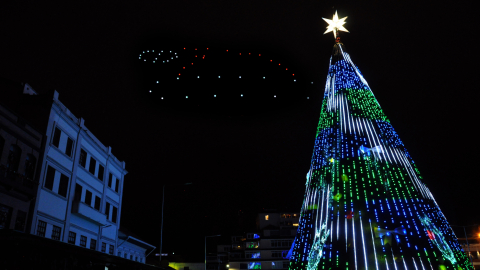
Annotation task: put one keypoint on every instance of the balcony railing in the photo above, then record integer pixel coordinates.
(87, 212)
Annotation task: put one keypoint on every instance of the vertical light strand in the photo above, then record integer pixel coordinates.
(373, 244)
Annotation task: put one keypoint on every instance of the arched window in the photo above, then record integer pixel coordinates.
(30, 163)
(14, 158)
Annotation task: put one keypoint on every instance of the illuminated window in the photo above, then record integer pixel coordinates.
(266, 217)
(295, 224)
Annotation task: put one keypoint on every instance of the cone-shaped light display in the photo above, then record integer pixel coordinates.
(365, 205)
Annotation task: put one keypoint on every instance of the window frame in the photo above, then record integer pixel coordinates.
(72, 237)
(56, 232)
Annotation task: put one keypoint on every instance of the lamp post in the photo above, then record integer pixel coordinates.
(161, 228)
(206, 248)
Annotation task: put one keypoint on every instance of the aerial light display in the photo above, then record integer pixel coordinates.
(365, 205)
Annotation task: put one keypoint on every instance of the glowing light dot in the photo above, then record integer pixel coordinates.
(241, 95)
(144, 60)
(176, 56)
(161, 51)
(264, 78)
(308, 97)
(150, 91)
(161, 97)
(239, 77)
(170, 51)
(294, 80)
(198, 77)
(219, 77)
(186, 96)
(249, 54)
(157, 81)
(195, 49)
(275, 96)
(311, 83)
(183, 67)
(207, 49)
(271, 60)
(279, 64)
(195, 55)
(154, 61)
(293, 74)
(178, 78)
(179, 74)
(227, 50)
(153, 50)
(259, 55)
(214, 95)
(286, 69)
(192, 64)
(148, 51)
(139, 57)
(143, 51)
(332, 160)
(184, 48)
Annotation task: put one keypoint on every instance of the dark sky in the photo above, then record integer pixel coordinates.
(419, 60)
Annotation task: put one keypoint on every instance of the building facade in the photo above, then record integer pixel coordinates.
(20, 148)
(80, 188)
(266, 248)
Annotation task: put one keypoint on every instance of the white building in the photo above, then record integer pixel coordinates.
(80, 187)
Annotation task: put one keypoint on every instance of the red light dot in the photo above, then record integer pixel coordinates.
(179, 74)
(227, 50)
(293, 74)
(259, 55)
(249, 54)
(240, 53)
(192, 64)
(271, 60)
(195, 55)
(183, 67)
(207, 49)
(195, 49)
(279, 64)
(286, 69)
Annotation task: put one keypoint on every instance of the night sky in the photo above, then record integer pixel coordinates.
(242, 157)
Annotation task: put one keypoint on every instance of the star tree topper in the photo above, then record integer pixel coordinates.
(335, 24)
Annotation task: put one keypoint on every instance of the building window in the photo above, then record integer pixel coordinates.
(49, 178)
(72, 237)
(101, 171)
(14, 158)
(20, 221)
(136, 258)
(125, 255)
(93, 244)
(252, 255)
(88, 197)
(83, 158)
(107, 210)
(68, 150)
(5, 215)
(114, 214)
(286, 265)
(281, 243)
(104, 247)
(266, 217)
(56, 137)
(93, 164)
(254, 265)
(119, 254)
(97, 203)
(110, 179)
(117, 184)
(110, 249)
(63, 186)
(30, 163)
(243, 266)
(131, 257)
(83, 241)
(78, 193)
(41, 228)
(276, 254)
(56, 231)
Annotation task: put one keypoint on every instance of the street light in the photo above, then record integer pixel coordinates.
(161, 228)
(206, 248)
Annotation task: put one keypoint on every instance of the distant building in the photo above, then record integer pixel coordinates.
(132, 248)
(472, 249)
(266, 248)
(20, 154)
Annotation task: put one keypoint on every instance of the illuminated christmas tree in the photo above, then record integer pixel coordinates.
(365, 204)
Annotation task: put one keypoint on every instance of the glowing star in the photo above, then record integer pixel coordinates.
(335, 24)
